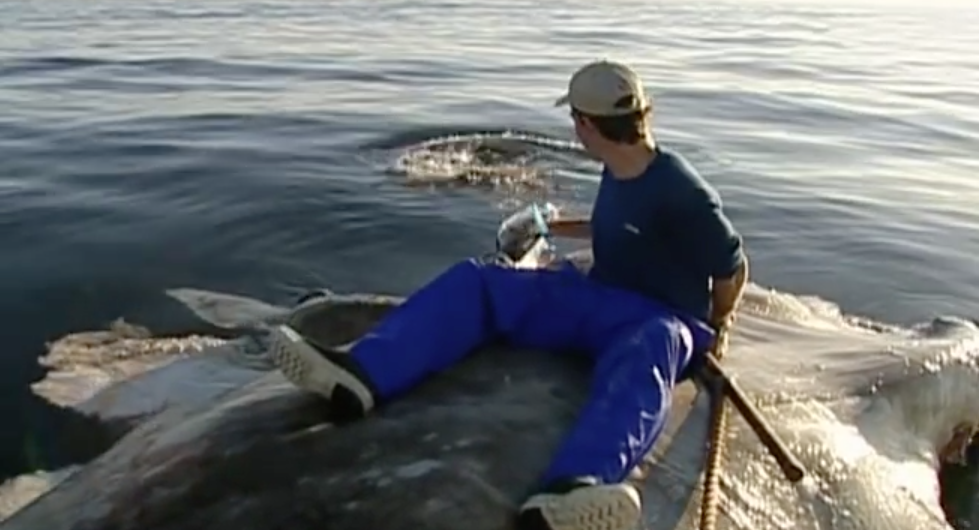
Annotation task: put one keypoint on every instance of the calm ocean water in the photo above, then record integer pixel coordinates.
(248, 147)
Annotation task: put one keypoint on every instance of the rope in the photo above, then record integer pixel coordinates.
(710, 499)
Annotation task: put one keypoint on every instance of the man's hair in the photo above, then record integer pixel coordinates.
(625, 129)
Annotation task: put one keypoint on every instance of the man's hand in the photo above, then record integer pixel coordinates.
(726, 295)
(719, 347)
(720, 322)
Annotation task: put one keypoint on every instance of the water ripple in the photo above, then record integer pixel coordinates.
(242, 145)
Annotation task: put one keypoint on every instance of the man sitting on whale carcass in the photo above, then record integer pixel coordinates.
(668, 270)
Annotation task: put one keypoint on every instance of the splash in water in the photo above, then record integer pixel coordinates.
(492, 159)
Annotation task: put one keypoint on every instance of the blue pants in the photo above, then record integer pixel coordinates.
(639, 347)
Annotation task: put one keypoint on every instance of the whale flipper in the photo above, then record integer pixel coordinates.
(227, 310)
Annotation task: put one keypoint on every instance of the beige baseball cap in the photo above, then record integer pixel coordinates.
(600, 88)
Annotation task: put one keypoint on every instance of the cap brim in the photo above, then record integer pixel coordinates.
(563, 100)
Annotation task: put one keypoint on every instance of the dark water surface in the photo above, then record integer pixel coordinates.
(252, 147)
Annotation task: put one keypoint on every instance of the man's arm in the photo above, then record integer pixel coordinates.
(575, 228)
(719, 249)
(726, 294)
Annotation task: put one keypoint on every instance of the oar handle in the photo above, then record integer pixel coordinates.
(791, 466)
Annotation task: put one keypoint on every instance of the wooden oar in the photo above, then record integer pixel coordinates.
(722, 386)
(790, 465)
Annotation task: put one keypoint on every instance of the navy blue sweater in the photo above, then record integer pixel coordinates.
(664, 234)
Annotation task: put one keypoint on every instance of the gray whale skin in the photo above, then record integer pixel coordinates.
(459, 452)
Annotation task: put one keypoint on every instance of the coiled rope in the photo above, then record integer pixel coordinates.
(710, 498)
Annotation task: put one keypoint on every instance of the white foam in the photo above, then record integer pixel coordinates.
(116, 376)
(871, 450)
(20, 491)
(456, 158)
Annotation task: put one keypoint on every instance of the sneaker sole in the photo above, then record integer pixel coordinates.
(306, 368)
(598, 508)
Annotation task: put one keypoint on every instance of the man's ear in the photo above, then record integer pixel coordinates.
(584, 121)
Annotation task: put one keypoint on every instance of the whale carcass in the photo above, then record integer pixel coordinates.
(464, 447)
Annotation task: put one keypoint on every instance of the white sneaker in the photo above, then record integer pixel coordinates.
(329, 373)
(600, 507)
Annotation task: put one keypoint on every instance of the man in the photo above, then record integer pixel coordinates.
(666, 259)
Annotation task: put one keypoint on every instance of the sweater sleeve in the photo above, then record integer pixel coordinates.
(714, 244)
